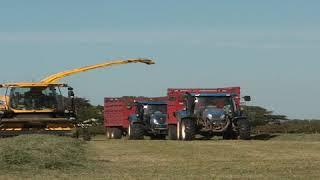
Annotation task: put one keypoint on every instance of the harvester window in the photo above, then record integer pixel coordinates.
(33, 98)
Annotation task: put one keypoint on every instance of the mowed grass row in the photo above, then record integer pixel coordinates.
(282, 157)
(290, 156)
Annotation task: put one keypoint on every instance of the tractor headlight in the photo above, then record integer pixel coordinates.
(209, 116)
(155, 121)
(222, 116)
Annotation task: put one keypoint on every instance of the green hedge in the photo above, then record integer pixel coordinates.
(294, 126)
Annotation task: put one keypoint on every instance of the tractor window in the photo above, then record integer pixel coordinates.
(154, 108)
(216, 102)
(34, 98)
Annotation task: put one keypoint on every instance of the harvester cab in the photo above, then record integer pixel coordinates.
(150, 120)
(36, 108)
(212, 114)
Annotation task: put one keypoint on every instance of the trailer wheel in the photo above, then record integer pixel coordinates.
(108, 133)
(188, 130)
(244, 129)
(136, 131)
(172, 132)
(117, 133)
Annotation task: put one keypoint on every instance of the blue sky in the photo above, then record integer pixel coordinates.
(269, 48)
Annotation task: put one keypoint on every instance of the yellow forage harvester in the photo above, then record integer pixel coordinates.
(40, 107)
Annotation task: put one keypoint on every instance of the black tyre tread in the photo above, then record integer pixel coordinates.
(117, 133)
(172, 132)
(137, 131)
(190, 129)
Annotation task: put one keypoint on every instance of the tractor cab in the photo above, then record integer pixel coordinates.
(211, 104)
(153, 113)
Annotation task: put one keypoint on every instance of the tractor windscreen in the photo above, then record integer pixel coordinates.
(152, 108)
(35, 98)
(213, 102)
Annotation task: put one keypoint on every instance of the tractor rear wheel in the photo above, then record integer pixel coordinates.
(172, 132)
(136, 131)
(188, 130)
(244, 129)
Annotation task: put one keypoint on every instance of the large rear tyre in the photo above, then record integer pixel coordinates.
(188, 130)
(136, 131)
(244, 129)
(172, 132)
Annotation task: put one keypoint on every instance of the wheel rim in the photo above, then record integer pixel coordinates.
(108, 134)
(112, 135)
(183, 132)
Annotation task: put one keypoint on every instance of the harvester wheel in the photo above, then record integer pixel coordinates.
(136, 131)
(117, 133)
(172, 132)
(188, 130)
(244, 129)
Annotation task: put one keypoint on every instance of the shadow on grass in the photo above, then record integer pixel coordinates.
(263, 137)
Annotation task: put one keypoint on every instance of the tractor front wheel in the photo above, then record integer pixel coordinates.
(188, 130)
(136, 131)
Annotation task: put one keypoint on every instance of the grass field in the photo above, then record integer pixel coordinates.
(267, 157)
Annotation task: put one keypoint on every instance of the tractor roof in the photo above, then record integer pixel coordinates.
(152, 103)
(31, 84)
(215, 95)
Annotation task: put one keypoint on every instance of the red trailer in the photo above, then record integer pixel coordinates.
(176, 102)
(117, 112)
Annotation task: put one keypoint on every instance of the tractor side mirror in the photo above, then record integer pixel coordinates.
(247, 98)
